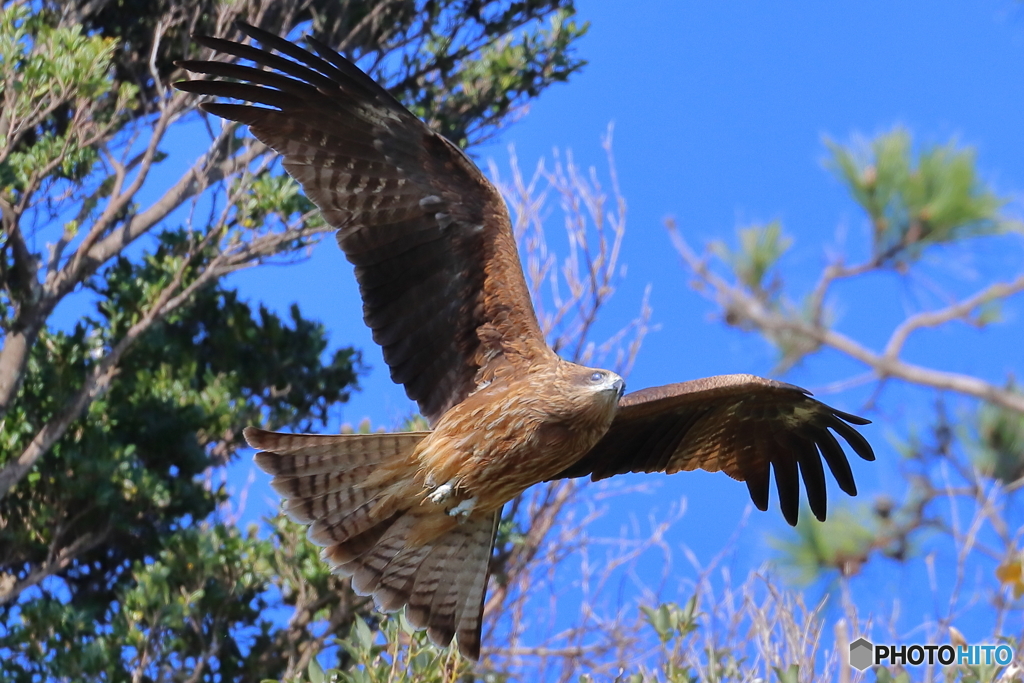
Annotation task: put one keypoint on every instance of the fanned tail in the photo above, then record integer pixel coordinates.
(401, 555)
(333, 482)
(442, 582)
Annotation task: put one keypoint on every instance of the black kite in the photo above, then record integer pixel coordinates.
(412, 517)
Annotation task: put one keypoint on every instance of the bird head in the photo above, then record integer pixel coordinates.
(593, 386)
(604, 381)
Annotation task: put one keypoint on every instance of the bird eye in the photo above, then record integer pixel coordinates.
(597, 377)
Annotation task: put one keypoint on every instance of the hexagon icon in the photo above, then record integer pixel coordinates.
(861, 654)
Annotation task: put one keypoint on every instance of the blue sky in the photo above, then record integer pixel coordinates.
(720, 112)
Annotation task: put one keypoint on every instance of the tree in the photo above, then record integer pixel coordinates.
(118, 557)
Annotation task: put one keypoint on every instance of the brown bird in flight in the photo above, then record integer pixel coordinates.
(412, 517)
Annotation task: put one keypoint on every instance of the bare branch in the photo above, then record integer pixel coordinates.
(746, 307)
(958, 311)
(59, 560)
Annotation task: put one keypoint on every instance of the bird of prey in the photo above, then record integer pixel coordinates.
(412, 517)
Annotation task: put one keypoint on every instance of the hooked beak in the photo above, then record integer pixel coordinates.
(620, 386)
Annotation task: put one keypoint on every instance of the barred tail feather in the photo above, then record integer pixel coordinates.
(305, 454)
(327, 480)
(412, 558)
(441, 582)
(448, 595)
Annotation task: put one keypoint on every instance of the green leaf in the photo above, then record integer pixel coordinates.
(790, 675)
(362, 634)
(315, 673)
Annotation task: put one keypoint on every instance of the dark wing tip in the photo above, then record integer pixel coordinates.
(851, 418)
(266, 38)
(193, 86)
(806, 447)
(787, 484)
(856, 440)
(211, 42)
(759, 491)
(813, 474)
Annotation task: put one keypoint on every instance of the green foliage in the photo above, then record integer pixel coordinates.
(49, 68)
(514, 59)
(678, 629)
(788, 675)
(397, 653)
(273, 195)
(671, 621)
(882, 675)
(126, 481)
(913, 202)
(998, 449)
(393, 652)
(191, 597)
(201, 604)
(755, 257)
(840, 544)
(759, 250)
(219, 339)
(50, 63)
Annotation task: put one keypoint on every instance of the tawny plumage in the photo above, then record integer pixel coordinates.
(412, 517)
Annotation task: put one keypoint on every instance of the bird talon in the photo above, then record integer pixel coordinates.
(442, 493)
(463, 510)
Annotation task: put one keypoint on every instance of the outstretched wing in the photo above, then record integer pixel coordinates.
(430, 237)
(742, 425)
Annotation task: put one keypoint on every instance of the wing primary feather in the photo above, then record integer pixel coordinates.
(248, 73)
(854, 438)
(243, 113)
(286, 47)
(361, 79)
(851, 418)
(837, 462)
(327, 61)
(268, 59)
(239, 91)
(759, 487)
(813, 474)
(787, 481)
(756, 474)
